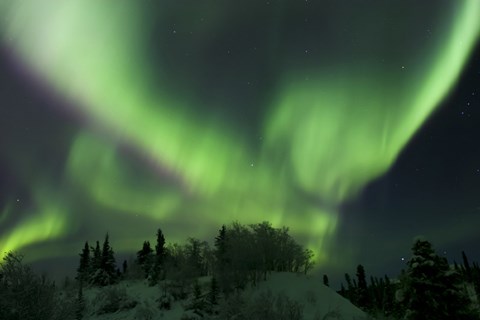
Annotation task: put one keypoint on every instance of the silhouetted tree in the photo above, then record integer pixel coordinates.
(362, 298)
(197, 305)
(193, 250)
(264, 239)
(145, 258)
(430, 289)
(159, 259)
(105, 272)
(222, 261)
(124, 267)
(325, 280)
(108, 260)
(84, 269)
(23, 294)
(466, 265)
(212, 298)
(80, 306)
(308, 262)
(160, 248)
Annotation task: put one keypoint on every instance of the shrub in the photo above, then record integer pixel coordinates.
(268, 306)
(112, 299)
(233, 307)
(143, 312)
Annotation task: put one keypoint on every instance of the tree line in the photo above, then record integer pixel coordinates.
(429, 288)
(241, 254)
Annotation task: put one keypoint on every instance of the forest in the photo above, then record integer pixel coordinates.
(209, 280)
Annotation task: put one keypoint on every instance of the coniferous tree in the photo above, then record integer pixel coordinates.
(431, 290)
(124, 267)
(349, 291)
(160, 250)
(476, 277)
(466, 265)
(84, 269)
(343, 292)
(212, 298)
(325, 280)
(362, 297)
(96, 263)
(160, 255)
(197, 304)
(389, 306)
(80, 307)
(108, 261)
(104, 270)
(194, 257)
(375, 292)
(145, 258)
(222, 259)
(97, 256)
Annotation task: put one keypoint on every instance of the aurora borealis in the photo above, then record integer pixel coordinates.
(189, 115)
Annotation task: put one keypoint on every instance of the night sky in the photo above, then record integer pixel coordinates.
(354, 123)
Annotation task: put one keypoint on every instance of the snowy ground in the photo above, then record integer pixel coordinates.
(317, 299)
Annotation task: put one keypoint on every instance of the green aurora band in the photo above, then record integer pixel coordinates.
(323, 140)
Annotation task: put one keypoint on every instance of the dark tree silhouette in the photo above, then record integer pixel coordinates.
(431, 290)
(23, 294)
(84, 269)
(362, 298)
(145, 258)
(124, 267)
(325, 280)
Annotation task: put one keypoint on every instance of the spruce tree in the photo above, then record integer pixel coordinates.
(466, 265)
(97, 256)
(222, 264)
(160, 250)
(145, 258)
(212, 298)
(124, 267)
(80, 305)
(160, 255)
(349, 291)
(84, 268)
(431, 289)
(108, 262)
(197, 305)
(362, 298)
(95, 263)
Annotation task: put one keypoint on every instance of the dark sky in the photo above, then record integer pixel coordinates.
(355, 125)
(431, 190)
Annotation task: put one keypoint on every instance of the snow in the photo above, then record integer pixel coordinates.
(316, 298)
(312, 294)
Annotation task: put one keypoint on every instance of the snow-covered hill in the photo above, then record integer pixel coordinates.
(139, 301)
(316, 298)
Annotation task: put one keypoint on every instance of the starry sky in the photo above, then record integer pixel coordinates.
(355, 124)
